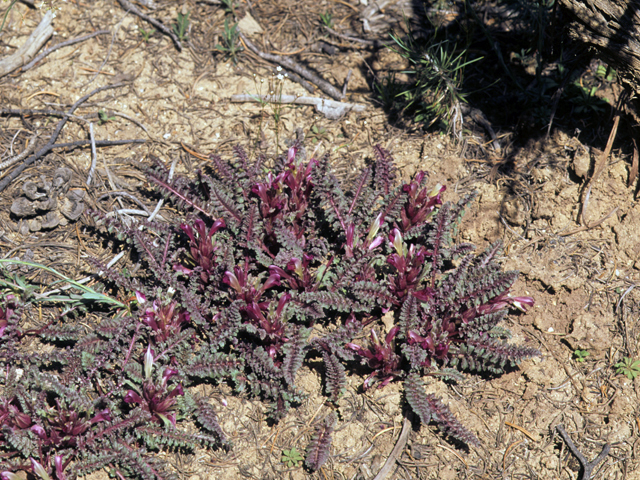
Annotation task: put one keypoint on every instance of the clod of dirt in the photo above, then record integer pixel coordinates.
(587, 334)
(249, 26)
(391, 61)
(626, 235)
(581, 162)
(35, 225)
(514, 210)
(48, 201)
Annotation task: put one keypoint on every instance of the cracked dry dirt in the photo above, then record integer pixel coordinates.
(583, 283)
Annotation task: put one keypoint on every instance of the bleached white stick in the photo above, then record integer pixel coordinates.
(331, 109)
(27, 51)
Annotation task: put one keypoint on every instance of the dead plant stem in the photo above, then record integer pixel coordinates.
(397, 450)
(67, 43)
(156, 23)
(292, 65)
(587, 467)
(44, 150)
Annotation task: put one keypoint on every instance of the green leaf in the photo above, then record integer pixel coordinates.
(88, 359)
(628, 367)
(291, 457)
(580, 355)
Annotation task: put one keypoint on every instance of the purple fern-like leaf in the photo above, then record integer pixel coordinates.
(319, 448)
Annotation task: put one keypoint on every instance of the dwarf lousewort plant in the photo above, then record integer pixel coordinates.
(267, 265)
(165, 321)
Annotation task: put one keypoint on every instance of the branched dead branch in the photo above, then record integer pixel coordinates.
(69, 42)
(587, 467)
(44, 150)
(25, 53)
(156, 23)
(290, 64)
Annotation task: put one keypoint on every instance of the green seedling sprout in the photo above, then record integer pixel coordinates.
(327, 19)
(230, 45)
(629, 367)
(4, 19)
(291, 458)
(580, 355)
(318, 133)
(146, 34)
(606, 73)
(229, 7)
(103, 117)
(181, 25)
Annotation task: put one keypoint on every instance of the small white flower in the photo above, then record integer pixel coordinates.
(280, 77)
(279, 69)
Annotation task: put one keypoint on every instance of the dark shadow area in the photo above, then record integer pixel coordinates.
(513, 70)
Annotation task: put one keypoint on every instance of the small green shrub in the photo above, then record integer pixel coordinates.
(291, 458)
(437, 69)
(629, 367)
(580, 355)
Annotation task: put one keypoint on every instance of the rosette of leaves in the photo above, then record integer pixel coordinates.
(232, 291)
(343, 256)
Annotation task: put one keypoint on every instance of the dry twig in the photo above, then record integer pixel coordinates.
(92, 137)
(69, 42)
(633, 173)
(599, 168)
(44, 150)
(34, 43)
(397, 450)
(290, 64)
(99, 143)
(36, 111)
(329, 108)
(587, 467)
(156, 23)
(22, 155)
